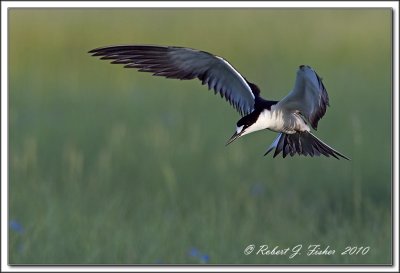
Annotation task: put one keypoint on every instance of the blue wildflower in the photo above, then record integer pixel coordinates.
(195, 253)
(16, 226)
(204, 258)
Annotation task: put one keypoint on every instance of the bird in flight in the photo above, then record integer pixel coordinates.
(291, 117)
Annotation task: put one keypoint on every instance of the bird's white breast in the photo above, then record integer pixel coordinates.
(264, 121)
(278, 121)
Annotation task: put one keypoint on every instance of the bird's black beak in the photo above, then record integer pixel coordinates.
(233, 138)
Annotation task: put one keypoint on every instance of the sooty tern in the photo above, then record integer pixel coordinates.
(291, 117)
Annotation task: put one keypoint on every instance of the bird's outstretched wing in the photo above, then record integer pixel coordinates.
(308, 97)
(185, 64)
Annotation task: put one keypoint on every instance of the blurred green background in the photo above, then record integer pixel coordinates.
(109, 165)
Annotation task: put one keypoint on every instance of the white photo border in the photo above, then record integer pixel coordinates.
(5, 5)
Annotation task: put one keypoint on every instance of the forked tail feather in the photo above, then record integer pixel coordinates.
(302, 143)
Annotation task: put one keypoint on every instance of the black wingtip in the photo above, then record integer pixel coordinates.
(343, 156)
(267, 152)
(104, 49)
(97, 49)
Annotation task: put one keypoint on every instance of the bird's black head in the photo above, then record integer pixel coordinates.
(248, 120)
(243, 124)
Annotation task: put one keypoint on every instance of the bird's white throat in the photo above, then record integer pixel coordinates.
(263, 122)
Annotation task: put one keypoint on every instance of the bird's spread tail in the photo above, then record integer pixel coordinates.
(302, 143)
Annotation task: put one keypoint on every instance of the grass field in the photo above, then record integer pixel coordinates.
(109, 165)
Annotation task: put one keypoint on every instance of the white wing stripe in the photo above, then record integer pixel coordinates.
(239, 76)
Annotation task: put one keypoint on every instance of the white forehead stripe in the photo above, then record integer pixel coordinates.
(239, 129)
